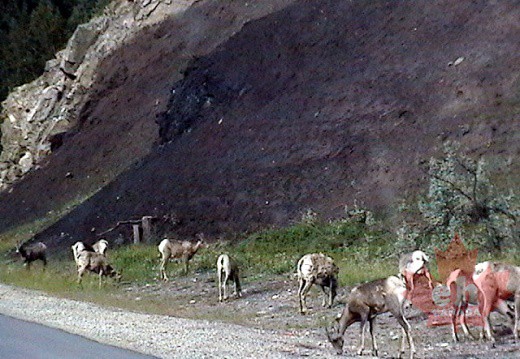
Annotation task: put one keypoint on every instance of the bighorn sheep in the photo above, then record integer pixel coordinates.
(497, 283)
(227, 269)
(177, 249)
(320, 269)
(463, 292)
(364, 303)
(97, 263)
(411, 264)
(32, 252)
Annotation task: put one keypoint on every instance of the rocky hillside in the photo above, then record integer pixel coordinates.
(232, 116)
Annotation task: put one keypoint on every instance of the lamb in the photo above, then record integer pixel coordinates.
(227, 269)
(32, 252)
(177, 249)
(411, 264)
(365, 302)
(497, 283)
(97, 263)
(320, 269)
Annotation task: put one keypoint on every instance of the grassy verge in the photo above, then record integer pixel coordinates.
(362, 253)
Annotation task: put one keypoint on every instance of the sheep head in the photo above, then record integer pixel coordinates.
(336, 339)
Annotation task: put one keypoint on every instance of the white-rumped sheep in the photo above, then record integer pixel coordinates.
(320, 269)
(97, 263)
(227, 269)
(32, 252)
(497, 283)
(364, 303)
(412, 264)
(101, 247)
(184, 250)
(98, 247)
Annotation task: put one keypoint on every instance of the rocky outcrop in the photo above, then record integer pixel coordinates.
(36, 114)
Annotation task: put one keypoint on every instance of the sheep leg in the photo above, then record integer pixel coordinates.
(162, 270)
(372, 324)
(100, 277)
(330, 293)
(220, 286)
(186, 266)
(454, 335)
(81, 271)
(325, 296)
(224, 286)
(363, 325)
(464, 322)
(485, 310)
(406, 328)
(429, 277)
(517, 314)
(305, 286)
(238, 289)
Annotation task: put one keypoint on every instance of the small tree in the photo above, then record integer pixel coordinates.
(461, 198)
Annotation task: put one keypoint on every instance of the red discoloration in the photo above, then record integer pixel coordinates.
(494, 281)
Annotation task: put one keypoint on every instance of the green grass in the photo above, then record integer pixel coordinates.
(361, 253)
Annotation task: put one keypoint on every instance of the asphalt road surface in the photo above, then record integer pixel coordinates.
(25, 340)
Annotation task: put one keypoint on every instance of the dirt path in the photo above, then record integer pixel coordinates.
(264, 323)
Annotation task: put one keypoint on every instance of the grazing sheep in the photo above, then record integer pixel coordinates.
(184, 250)
(32, 252)
(364, 303)
(463, 292)
(497, 283)
(411, 264)
(227, 269)
(98, 247)
(320, 269)
(97, 263)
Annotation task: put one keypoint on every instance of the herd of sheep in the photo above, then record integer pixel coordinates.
(497, 287)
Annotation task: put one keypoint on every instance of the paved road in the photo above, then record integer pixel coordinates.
(24, 340)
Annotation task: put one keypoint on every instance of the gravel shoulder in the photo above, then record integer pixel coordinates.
(161, 336)
(263, 323)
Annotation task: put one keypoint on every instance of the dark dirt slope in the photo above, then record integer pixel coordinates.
(117, 125)
(314, 106)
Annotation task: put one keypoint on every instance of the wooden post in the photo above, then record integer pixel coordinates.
(137, 238)
(147, 229)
